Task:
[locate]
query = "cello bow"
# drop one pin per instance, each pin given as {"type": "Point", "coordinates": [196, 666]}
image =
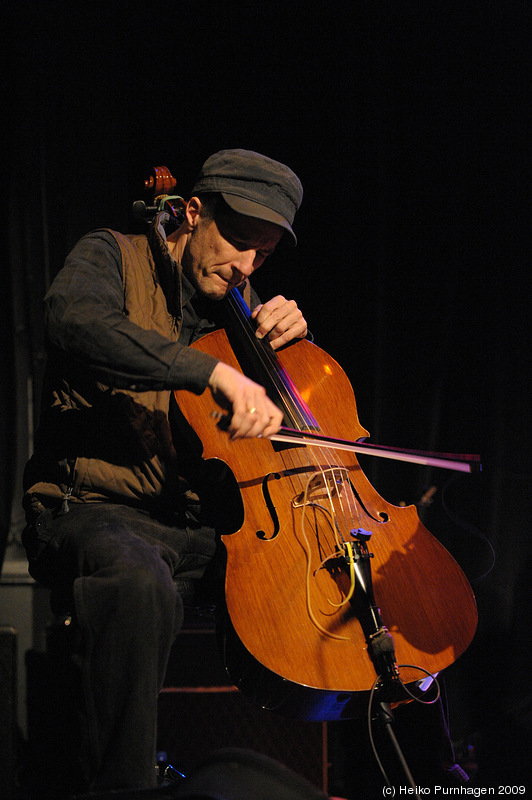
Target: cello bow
{"type": "Point", "coordinates": [459, 462]}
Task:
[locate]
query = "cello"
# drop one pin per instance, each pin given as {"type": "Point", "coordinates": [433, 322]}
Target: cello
{"type": "Point", "coordinates": [326, 584]}
{"type": "Point", "coordinates": [329, 590]}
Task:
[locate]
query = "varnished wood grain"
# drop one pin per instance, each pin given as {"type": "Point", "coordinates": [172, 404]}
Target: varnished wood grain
{"type": "Point", "coordinates": [425, 599]}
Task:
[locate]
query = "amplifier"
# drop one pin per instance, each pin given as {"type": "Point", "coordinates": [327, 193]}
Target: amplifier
{"type": "Point", "coordinates": [8, 711]}
{"type": "Point", "coordinates": [201, 711]}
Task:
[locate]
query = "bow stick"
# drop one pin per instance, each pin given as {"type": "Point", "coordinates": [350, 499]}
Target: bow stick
{"type": "Point", "coordinates": [455, 461]}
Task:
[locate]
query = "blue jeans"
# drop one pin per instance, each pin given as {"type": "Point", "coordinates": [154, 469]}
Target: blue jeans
{"type": "Point", "coordinates": [122, 569]}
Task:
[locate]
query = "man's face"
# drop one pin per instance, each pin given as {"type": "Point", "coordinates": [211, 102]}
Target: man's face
{"type": "Point", "coordinates": [220, 255]}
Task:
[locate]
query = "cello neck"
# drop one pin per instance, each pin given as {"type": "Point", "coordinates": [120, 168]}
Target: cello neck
{"type": "Point", "coordinates": [265, 363]}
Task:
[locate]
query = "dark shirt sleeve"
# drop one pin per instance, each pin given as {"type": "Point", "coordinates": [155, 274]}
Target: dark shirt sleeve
{"type": "Point", "coordinates": [85, 319]}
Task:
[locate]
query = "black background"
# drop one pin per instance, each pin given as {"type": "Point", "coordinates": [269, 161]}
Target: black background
{"type": "Point", "coordinates": [407, 124]}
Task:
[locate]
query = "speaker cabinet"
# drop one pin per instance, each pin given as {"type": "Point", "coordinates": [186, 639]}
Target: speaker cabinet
{"type": "Point", "coordinates": [8, 711]}
{"type": "Point", "coordinates": [200, 711]}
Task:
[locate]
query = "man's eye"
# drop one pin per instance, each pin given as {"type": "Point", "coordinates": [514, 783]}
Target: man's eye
{"type": "Point", "coordinates": [242, 245]}
{"type": "Point", "coordinates": [237, 243]}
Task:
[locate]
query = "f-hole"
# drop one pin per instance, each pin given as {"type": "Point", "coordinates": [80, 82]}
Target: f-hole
{"type": "Point", "coordinates": [382, 514]}
{"type": "Point", "coordinates": [270, 506]}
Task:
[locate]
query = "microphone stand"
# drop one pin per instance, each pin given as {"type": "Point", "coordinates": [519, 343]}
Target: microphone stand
{"type": "Point", "coordinates": [380, 642]}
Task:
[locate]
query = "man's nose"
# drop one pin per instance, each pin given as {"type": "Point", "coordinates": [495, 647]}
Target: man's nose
{"type": "Point", "coordinates": [246, 262]}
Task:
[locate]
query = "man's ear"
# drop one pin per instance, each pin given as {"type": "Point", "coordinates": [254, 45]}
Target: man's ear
{"type": "Point", "coordinates": [192, 212]}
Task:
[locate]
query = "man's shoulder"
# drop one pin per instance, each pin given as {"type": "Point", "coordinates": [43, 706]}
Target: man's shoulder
{"type": "Point", "coordinates": [113, 236]}
{"type": "Point", "coordinates": [133, 244]}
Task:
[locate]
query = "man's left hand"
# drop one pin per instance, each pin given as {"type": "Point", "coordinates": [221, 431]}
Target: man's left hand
{"type": "Point", "coordinates": [279, 320]}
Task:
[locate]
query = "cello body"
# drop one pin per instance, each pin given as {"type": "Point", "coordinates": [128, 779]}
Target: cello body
{"type": "Point", "coordinates": [291, 640]}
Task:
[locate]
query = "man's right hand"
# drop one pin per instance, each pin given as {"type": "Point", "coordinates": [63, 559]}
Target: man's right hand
{"type": "Point", "coordinates": [253, 413]}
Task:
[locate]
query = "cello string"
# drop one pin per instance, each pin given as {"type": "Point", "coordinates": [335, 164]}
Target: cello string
{"type": "Point", "coordinates": [345, 510]}
{"type": "Point", "coordinates": [293, 406]}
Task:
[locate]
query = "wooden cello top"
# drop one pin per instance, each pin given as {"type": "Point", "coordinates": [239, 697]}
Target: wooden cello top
{"type": "Point", "coordinates": [275, 587]}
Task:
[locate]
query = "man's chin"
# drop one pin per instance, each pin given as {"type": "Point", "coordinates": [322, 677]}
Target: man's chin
{"type": "Point", "coordinates": [214, 294]}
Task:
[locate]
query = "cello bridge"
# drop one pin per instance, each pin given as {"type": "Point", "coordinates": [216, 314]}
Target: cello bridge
{"type": "Point", "coordinates": [322, 487]}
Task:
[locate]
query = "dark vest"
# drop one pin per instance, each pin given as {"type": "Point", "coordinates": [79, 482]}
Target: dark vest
{"type": "Point", "coordinates": [118, 446]}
